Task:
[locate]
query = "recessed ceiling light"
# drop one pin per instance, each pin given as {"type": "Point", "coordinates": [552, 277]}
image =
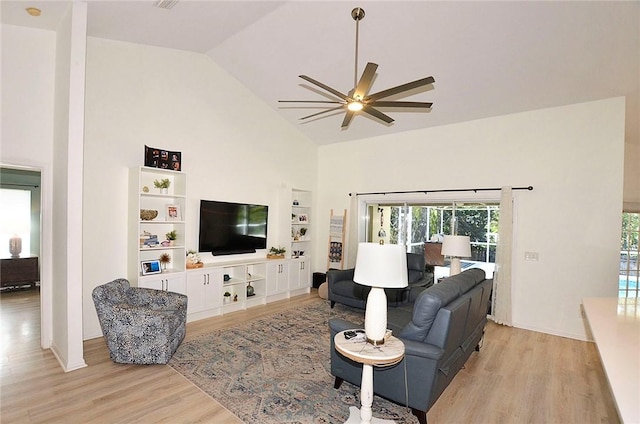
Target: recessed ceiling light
{"type": "Point", "coordinates": [166, 4]}
{"type": "Point", "coordinates": [33, 11]}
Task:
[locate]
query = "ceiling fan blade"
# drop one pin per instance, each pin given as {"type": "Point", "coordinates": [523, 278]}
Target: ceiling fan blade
{"type": "Point", "coordinates": [310, 101]}
{"type": "Point", "coordinates": [376, 113]}
{"type": "Point", "coordinates": [322, 112]}
{"type": "Point", "coordinates": [400, 88]}
{"type": "Point", "coordinates": [425, 105]}
{"type": "Point", "coordinates": [347, 118]}
{"type": "Point", "coordinates": [365, 80]}
{"type": "Point", "coordinates": [325, 87]}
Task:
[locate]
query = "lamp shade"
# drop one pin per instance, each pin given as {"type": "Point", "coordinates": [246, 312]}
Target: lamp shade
{"type": "Point", "coordinates": [381, 265]}
{"type": "Point", "coordinates": [456, 246]}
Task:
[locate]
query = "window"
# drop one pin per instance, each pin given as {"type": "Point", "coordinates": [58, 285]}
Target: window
{"type": "Point", "coordinates": [629, 265]}
{"type": "Point", "coordinates": [15, 219]}
{"type": "Point", "coordinates": [416, 224]}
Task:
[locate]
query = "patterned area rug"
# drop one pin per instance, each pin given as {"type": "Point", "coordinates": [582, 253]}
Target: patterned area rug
{"type": "Point", "coordinates": [277, 369]}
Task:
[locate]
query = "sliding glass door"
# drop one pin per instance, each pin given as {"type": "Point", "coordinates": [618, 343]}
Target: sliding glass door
{"type": "Point", "coordinates": [415, 224]}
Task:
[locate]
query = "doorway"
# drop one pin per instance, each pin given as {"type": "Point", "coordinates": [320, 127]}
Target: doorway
{"type": "Point", "coordinates": [21, 247]}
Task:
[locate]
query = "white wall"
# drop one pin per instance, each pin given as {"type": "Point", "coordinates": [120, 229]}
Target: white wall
{"type": "Point", "coordinates": [67, 194]}
{"type": "Point", "coordinates": [28, 70]}
{"type": "Point", "coordinates": [572, 155]}
{"type": "Point", "coordinates": [234, 147]}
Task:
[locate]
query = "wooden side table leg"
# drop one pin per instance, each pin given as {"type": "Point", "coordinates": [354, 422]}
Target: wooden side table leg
{"type": "Point", "coordinates": [366, 394]}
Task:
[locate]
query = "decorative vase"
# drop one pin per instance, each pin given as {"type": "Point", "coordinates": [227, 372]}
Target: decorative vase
{"type": "Point", "coordinates": [164, 191]}
{"type": "Point", "coordinates": [15, 246]}
{"type": "Point", "coordinates": [250, 290]}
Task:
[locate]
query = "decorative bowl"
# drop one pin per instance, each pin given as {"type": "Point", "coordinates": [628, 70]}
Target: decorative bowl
{"type": "Point", "coordinates": [148, 214]}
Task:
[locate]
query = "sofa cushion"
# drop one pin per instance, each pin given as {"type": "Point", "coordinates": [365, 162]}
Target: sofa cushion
{"type": "Point", "coordinates": [466, 280]}
{"type": "Point", "coordinates": [350, 289]}
{"type": "Point", "coordinates": [426, 308]}
{"type": "Point", "coordinates": [398, 317]}
{"type": "Point", "coordinates": [415, 267]}
{"type": "Point", "coordinates": [429, 302]}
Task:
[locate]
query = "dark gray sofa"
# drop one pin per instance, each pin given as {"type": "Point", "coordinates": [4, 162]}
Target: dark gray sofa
{"type": "Point", "coordinates": [342, 288]}
{"type": "Point", "coordinates": [440, 330]}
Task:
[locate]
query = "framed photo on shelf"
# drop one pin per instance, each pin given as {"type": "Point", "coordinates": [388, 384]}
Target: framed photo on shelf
{"type": "Point", "coordinates": [150, 267]}
{"type": "Point", "coordinates": [303, 217]}
{"type": "Point", "coordinates": [173, 213]}
{"type": "Point", "coordinates": [163, 159]}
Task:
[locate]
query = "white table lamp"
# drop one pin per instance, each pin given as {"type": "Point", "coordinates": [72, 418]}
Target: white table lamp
{"type": "Point", "coordinates": [379, 266]}
{"type": "Point", "coordinates": [456, 247]}
{"type": "Point", "coordinates": [15, 246]}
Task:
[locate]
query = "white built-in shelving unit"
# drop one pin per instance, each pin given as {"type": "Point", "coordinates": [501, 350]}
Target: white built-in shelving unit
{"type": "Point", "coordinates": [250, 282]}
{"type": "Point", "coordinates": [145, 196]}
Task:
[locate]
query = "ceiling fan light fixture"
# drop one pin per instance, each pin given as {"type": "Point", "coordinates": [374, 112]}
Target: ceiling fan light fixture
{"type": "Point", "coordinates": [359, 96]}
{"type": "Point", "coordinates": [355, 106]}
{"type": "Point", "coordinates": [33, 11]}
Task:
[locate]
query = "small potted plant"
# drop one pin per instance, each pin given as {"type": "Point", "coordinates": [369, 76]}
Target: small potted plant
{"type": "Point", "coordinates": [303, 231]}
{"type": "Point", "coordinates": [172, 236]}
{"type": "Point", "coordinates": [163, 185]}
{"type": "Point", "coordinates": [276, 253]}
{"type": "Point", "coordinates": [164, 259]}
{"type": "Point", "coordinates": [227, 297]}
{"type": "Point", "coordinates": [193, 259]}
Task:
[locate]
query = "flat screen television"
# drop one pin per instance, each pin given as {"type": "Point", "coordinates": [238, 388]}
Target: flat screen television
{"type": "Point", "coordinates": [231, 228]}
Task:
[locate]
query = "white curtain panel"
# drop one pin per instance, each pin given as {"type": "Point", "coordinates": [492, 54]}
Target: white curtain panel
{"type": "Point", "coordinates": [351, 248]}
{"type": "Point", "coordinates": [501, 307]}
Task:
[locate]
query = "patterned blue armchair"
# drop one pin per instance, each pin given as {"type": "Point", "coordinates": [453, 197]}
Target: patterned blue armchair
{"type": "Point", "coordinates": [141, 326]}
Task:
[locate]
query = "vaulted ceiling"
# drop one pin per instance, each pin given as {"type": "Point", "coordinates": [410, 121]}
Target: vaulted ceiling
{"type": "Point", "coordinates": [487, 58]}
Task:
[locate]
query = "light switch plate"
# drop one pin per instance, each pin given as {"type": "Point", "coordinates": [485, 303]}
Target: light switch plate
{"type": "Point", "coordinates": [530, 256]}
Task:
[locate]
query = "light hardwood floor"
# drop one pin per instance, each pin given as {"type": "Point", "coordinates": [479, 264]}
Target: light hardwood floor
{"type": "Point", "coordinates": [519, 376]}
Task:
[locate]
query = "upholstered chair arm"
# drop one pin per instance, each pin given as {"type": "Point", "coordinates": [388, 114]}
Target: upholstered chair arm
{"type": "Point", "coordinates": [422, 350]}
{"type": "Point", "coordinates": [138, 320]}
{"type": "Point", "coordinates": [335, 275]}
{"type": "Point", "coordinates": [337, 325]}
{"type": "Point", "coordinates": [156, 299]}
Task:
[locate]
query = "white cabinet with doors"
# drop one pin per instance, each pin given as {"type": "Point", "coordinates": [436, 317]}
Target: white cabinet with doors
{"type": "Point", "coordinates": [204, 289]}
{"type": "Point", "coordinates": [299, 274]}
{"type": "Point", "coordinates": [166, 282]}
{"type": "Point", "coordinates": [277, 277]}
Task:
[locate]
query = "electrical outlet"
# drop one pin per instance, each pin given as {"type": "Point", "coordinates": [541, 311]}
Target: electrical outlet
{"type": "Point", "coordinates": [530, 256]}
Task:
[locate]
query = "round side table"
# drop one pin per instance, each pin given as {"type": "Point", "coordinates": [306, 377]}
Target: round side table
{"type": "Point", "coordinates": [390, 353]}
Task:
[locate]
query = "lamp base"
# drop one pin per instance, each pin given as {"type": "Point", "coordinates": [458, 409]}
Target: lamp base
{"type": "Point", "coordinates": [375, 342]}
{"type": "Point", "coordinates": [375, 316]}
{"type": "Point", "coordinates": [456, 267]}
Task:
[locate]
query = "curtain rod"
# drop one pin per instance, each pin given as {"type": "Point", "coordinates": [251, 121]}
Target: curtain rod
{"type": "Point", "coordinates": [20, 185]}
{"type": "Point", "coordinates": [442, 191]}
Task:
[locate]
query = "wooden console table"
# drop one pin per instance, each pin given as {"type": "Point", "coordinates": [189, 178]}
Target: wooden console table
{"type": "Point", "coordinates": [19, 271]}
{"type": "Point", "coordinates": [615, 325]}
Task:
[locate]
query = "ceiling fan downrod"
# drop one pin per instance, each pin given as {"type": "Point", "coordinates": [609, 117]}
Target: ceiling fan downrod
{"type": "Point", "coordinates": [358, 99]}
{"type": "Point", "coordinates": [357, 14]}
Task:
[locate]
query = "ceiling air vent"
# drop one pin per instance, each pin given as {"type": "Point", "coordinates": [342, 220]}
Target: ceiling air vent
{"type": "Point", "coordinates": [166, 4]}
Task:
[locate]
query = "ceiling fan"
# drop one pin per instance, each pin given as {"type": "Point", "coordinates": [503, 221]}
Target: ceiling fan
{"type": "Point", "coordinates": [358, 100]}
